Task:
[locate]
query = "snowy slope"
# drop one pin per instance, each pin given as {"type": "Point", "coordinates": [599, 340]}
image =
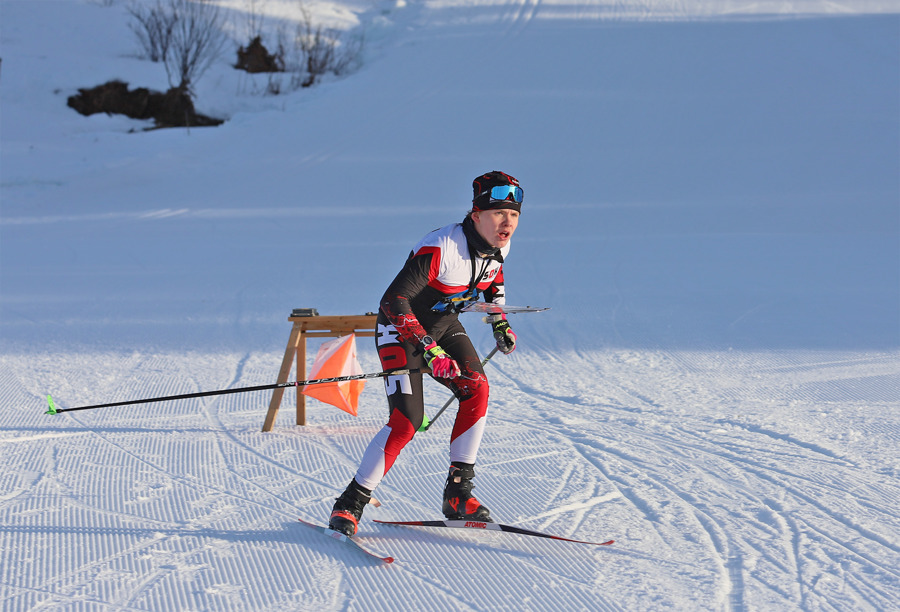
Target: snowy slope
{"type": "Point", "coordinates": [712, 212]}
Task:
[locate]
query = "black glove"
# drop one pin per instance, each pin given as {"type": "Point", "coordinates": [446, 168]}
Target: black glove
{"type": "Point", "coordinates": [505, 337]}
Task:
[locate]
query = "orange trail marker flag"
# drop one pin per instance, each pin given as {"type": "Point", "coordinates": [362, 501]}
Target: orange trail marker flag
{"type": "Point", "coordinates": [337, 358]}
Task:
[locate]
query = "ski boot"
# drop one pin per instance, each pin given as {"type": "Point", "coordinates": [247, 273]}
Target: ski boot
{"type": "Point", "coordinates": [459, 503]}
{"type": "Point", "coordinates": [348, 509]}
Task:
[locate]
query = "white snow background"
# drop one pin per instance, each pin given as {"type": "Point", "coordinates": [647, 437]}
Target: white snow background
{"type": "Point", "coordinates": [712, 211]}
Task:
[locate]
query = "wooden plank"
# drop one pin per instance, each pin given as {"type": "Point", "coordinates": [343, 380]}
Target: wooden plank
{"type": "Point", "coordinates": [283, 373]}
{"type": "Point", "coordinates": [301, 375]}
{"type": "Point", "coordinates": [331, 322]}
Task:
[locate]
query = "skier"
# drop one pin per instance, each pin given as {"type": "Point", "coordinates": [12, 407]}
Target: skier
{"type": "Point", "coordinates": [418, 326]}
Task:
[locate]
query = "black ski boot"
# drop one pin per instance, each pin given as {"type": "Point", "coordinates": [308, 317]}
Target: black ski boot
{"type": "Point", "coordinates": [348, 508]}
{"type": "Point", "coordinates": [459, 503]}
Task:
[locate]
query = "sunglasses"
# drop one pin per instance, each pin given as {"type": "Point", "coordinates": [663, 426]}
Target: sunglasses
{"type": "Point", "coordinates": [505, 192]}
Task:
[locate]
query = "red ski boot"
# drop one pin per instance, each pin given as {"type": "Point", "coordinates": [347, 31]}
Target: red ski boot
{"type": "Point", "coordinates": [459, 503]}
{"type": "Point", "coordinates": [348, 509]}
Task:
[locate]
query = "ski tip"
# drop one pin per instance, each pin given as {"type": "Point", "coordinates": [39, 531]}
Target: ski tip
{"type": "Point", "coordinates": [426, 423]}
{"type": "Point", "coordinates": [52, 409]}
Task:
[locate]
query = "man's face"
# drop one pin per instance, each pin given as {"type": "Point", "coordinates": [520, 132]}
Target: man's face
{"type": "Point", "coordinates": [496, 226]}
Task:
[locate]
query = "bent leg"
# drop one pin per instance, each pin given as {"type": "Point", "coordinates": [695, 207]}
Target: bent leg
{"type": "Point", "coordinates": [472, 390]}
{"type": "Point", "coordinates": [405, 402]}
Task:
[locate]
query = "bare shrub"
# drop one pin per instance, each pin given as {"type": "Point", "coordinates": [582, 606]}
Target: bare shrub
{"type": "Point", "coordinates": [322, 50]}
{"type": "Point", "coordinates": [185, 35]}
{"type": "Point", "coordinates": [153, 26]}
{"type": "Point", "coordinates": [302, 56]}
{"type": "Point", "coordinates": [197, 41]}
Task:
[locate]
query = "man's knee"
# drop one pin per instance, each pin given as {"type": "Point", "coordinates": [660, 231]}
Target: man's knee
{"type": "Point", "coordinates": [473, 391]}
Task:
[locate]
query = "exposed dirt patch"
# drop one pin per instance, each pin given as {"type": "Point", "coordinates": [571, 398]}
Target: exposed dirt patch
{"type": "Point", "coordinates": [256, 58]}
{"type": "Point", "coordinates": [173, 108]}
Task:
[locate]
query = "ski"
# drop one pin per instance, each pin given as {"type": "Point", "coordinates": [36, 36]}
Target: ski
{"type": "Point", "coordinates": [489, 308]}
{"type": "Point", "coordinates": [340, 537]}
{"type": "Point", "coordinates": [490, 527]}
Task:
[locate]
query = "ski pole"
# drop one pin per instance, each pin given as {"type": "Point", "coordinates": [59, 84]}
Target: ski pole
{"type": "Point", "coordinates": [425, 426]}
{"type": "Point", "coordinates": [299, 383]}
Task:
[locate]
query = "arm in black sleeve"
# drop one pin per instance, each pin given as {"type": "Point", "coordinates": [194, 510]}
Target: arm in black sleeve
{"type": "Point", "coordinates": [410, 282]}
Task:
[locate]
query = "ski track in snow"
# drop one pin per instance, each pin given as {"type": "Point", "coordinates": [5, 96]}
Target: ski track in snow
{"type": "Point", "coordinates": [734, 511]}
{"type": "Point", "coordinates": [815, 484]}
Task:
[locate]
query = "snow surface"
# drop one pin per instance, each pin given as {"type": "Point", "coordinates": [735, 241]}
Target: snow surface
{"type": "Point", "coordinates": [712, 212]}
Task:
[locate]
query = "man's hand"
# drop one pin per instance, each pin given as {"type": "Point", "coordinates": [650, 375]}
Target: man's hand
{"type": "Point", "coordinates": [505, 337]}
{"type": "Point", "coordinates": [442, 366]}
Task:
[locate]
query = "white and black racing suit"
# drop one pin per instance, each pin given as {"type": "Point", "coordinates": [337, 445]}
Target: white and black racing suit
{"type": "Point", "coordinates": [450, 262]}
